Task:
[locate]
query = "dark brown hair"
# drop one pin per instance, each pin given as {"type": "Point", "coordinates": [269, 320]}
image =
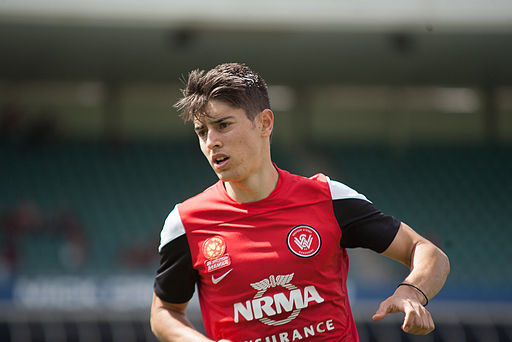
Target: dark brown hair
{"type": "Point", "coordinates": [233, 83]}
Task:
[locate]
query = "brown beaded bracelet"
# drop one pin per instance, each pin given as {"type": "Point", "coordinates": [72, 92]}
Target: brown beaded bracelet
{"type": "Point", "coordinates": [417, 288]}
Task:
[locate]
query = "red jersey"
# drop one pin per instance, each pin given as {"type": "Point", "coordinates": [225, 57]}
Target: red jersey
{"type": "Point", "coordinates": [273, 270]}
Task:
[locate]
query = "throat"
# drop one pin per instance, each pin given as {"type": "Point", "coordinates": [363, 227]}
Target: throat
{"type": "Point", "coordinates": [252, 189]}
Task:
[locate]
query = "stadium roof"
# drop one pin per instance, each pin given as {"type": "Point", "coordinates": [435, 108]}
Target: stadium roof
{"type": "Point", "coordinates": [291, 41]}
{"type": "Point", "coordinates": [297, 14]}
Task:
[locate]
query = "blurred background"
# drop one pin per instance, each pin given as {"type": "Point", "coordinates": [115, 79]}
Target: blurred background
{"type": "Point", "coordinates": [409, 102]}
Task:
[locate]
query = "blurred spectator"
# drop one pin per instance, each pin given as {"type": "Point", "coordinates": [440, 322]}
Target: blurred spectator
{"type": "Point", "coordinates": [15, 223]}
{"type": "Point", "coordinates": [43, 129]}
{"type": "Point", "coordinates": [73, 251]}
{"type": "Point", "coordinates": [26, 219]}
{"type": "Point", "coordinates": [22, 219]}
{"type": "Point", "coordinates": [141, 254]}
{"type": "Point", "coordinates": [11, 117]}
{"type": "Point", "coordinates": [15, 127]}
{"type": "Point", "coordinates": [9, 258]}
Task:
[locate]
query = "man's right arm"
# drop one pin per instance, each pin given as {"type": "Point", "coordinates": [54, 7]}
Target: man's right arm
{"type": "Point", "coordinates": [169, 322]}
{"type": "Point", "coordinates": [174, 283]}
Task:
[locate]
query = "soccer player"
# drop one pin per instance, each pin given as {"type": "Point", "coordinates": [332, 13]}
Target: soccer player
{"type": "Point", "coordinates": [267, 248]}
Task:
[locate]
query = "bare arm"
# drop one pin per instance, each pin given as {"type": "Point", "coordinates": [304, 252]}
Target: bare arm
{"type": "Point", "coordinates": [429, 268]}
{"type": "Point", "coordinates": [169, 323]}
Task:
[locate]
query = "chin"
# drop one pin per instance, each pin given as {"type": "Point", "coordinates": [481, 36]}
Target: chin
{"type": "Point", "coordinates": [226, 176]}
{"type": "Point", "coordinates": [223, 176]}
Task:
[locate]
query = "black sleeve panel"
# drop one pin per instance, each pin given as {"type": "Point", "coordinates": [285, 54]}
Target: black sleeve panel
{"type": "Point", "coordinates": [176, 278]}
{"type": "Point", "coordinates": [363, 225]}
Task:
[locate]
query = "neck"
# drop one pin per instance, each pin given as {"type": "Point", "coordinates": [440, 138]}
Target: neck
{"type": "Point", "coordinates": [256, 187]}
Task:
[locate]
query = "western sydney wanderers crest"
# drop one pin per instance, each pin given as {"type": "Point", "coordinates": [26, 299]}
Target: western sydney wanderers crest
{"type": "Point", "coordinates": [303, 241]}
{"type": "Point", "coordinates": [214, 250]}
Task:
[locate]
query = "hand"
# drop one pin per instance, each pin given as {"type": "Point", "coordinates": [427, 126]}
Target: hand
{"type": "Point", "coordinates": [417, 319]}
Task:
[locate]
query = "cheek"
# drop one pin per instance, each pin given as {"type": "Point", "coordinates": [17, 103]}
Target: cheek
{"type": "Point", "coordinates": [248, 149]}
{"type": "Point", "coordinates": [242, 144]}
{"type": "Point", "coordinates": [203, 148]}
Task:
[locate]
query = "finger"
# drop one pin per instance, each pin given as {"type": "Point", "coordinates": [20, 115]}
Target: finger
{"type": "Point", "coordinates": [429, 324]}
{"type": "Point", "coordinates": [409, 326]}
{"type": "Point", "coordinates": [418, 329]}
{"type": "Point", "coordinates": [413, 321]}
{"type": "Point", "coordinates": [378, 316]}
{"type": "Point", "coordinates": [417, 321]}
{"type": "Point", "coordinates": [382, 311]}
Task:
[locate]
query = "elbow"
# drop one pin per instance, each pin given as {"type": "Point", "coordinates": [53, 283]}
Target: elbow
{"type": "Point", "coordinates": [155, 327]}
{"type": "Point", "coordinates": [447, 265]}
{"type": "Point", "coordinates": [444, 262]}
{"type": "Point", "coordinates": [154, 323]}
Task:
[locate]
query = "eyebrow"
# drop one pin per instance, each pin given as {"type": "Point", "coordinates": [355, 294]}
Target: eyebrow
{"type": "Point", "coordinates": [222, 119]}
{"type": "Point", "coordinates": [201, 126]}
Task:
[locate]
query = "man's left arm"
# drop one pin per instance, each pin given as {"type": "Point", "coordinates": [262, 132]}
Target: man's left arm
{"type": "Point", "coordinates": [429, 268]}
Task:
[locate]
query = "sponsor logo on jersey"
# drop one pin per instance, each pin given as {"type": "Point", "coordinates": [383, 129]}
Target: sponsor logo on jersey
{"type": "Point", "coordinates": [217, 280]}
{"type": "Point", "coordinates": [303, 241]}
{"type": "Point", "coordinates": [213, 251]}
{"type": "Point", "coordinates": [297, 334]}
{"type": "Point", "coordinates": [286, 305]}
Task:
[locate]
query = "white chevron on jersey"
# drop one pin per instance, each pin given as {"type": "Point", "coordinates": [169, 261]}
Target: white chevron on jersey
{"type": "Point", "coordinates": [173, 228]}
{"type": "Point", "coordinates": [341, 191]}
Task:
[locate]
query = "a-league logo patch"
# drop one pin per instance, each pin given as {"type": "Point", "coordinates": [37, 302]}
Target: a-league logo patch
{"type": "Point", "coordinates": [213, 251]}
{"type": "Point", "coordinates": [214, 247]}
{"type": "Point", "coordinates": [304, 241]}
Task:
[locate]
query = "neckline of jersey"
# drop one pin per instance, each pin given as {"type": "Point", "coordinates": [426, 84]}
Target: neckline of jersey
{"type": "Point", "coordinates": [281, 176]}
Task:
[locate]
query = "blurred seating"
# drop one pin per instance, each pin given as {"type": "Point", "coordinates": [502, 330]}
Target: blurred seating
{"type": "Point", "coordinates": [101, 208]}
{"type": "Point", "coordinates": [119, 196]}
{"type": "Point", "coordinates": [459, 197]}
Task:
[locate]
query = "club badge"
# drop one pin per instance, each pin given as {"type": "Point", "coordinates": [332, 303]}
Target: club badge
{"type": "Point", "coordinates": [304, 241]}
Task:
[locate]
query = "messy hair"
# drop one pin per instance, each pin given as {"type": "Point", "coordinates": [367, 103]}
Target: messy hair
{"type": "Point", "coordinates": [233, 83]}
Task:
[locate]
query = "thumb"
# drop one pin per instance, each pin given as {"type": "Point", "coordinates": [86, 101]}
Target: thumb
{"type": "Point", "coordinates": [382, 311]}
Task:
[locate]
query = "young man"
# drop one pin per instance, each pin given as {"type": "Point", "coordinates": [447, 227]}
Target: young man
{"type": "Point", "coordinates": [266, 248]}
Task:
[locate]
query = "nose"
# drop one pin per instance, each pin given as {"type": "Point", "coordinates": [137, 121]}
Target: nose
{"type": "Point", "coordinates": [213, 140]}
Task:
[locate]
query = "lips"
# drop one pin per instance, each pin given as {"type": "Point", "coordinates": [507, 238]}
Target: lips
{"type": "Point", "coordinates": [220, 160]}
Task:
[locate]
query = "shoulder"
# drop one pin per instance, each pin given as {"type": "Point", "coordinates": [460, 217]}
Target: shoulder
{"type": "Point", "coordinates": [174, 226]}
{"type": "Point", "coordinates": [337, 190]}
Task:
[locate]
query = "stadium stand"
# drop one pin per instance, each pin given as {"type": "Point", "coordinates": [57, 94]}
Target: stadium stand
{"type": "Point", "coordinates": [457, 196]}
{"type": "Point", "coordinates": [97, 210]}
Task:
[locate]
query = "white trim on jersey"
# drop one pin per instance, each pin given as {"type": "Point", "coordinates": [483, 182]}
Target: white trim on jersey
{"type": "Point", "coordinates": [341, 191]}
{"type": "Point", "coordinates": [173, 228]}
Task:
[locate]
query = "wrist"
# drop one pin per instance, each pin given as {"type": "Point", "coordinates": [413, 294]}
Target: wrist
{"type": "Point", "coordinates": [415, 291]}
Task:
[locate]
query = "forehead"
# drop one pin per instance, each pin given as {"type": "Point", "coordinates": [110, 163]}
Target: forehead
{"type": "Point", "coordinates": [215, 110]}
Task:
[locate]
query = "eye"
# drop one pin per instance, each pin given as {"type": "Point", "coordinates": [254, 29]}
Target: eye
{"type": "Point", "coordinates": [223, 125]}
{"type": "Point", "coordinates": [201, 133]}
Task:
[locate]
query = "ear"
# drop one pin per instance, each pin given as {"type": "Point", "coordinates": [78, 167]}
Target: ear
{"type": "Point", "coordinates": [266, 122]}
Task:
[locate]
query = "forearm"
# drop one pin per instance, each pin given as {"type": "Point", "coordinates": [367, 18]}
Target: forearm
{"type": "Point", "coordinates": [171, 325]}
{"type": "Point", "coordinates": [429, 268]}
{"type": "Point", "coordinates": [428, 264]}
{"type": "Point", "coordinates": [167, 327]}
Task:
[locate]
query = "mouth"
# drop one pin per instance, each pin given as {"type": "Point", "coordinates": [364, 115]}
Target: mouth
{"type": "Point", "coordinates": [220, 161]}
